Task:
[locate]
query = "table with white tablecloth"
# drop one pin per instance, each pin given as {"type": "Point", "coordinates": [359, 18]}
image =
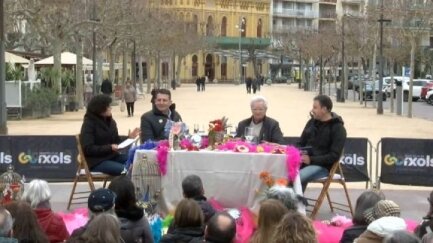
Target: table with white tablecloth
{"type": "Point", "coordinates": [228, 177]}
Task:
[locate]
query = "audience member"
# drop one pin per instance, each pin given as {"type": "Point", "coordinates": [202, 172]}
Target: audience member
{"type": "Point", "coordinates": [38, 194]}
{"type": "Point", "coordinates": [270, 214]}
{"type": "Point", "coordinates": [188, 223]}
{"type": "Point", "coordinates": [286, 195]}
{"type": "Point", "coordinates": [294, 228]}
{"type": "Point", "coordinates": [325, 136]}
{"type": "Point", "coordinates": [6, 224]}
{"type": "Point", "coordinates": [383, 218]}
{"type": "Point", "coordinates": [133, 222]}
{"type": "Point", "coordinates": [100, 138]}
{"type": "Point", "coordinates": [25, 227]}
{"type": "Point", "coordinates": [427, 223]}
{"type": "Point", "coordinates": [107, 87]}
{"type": "Point", "coordinates": [192, 188]}
{"type": "Point", "coordinates": [221, 228]}
{"type": "Point", "coordinates": [104, 228]}
{"type": "Point", "coordinates": [427, 238]}
{"type": "Point", "coordinates": [264, 128]}
{"type": "Point", "coordinates": [365, 201]}
{"type": "Point", "coordinates": [100, 201]}
{"type": "Point", "coordinates": [401, 236]}
{"type": "Point", "coordinates": [153, 122]}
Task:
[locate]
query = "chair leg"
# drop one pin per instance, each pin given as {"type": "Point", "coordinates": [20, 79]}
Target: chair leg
{"type": "Point", "coordinates": [320, 199]}
{"type": "Point", "coordinates": [91, 184]}
{"type": "Point", "coordinates": [348, 198]}
{"type": "Point", "coordinates": [72, 192]}
{"type": "Point", "coordinates": [329, 201]}
{"type": "Point", "coordinates": [105, 183]}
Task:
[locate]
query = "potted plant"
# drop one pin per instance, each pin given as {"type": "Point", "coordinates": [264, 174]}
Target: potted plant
{"type": "Point", "coordinates": [37, 103]}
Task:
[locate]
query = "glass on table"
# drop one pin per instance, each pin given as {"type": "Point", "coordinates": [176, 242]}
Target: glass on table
{"type": "Point", "coordinates": [249, 135]}
{"type": "Point", "coordinates": [196, 128]}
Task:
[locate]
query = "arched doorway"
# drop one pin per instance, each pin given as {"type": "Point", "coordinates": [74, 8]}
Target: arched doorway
{"type": "Point", "coordinates": [224, 26]}
{"type": "Point", "coordinates": [194, 70]}
{"type": "Point", "coordinates": [209, 69]}
{"type": "Point", "coordinates": [259, 28]}
{"type": "Point", "coordinates": [209, 26]}
{"type": "Point", "coordinates": [244, 27]}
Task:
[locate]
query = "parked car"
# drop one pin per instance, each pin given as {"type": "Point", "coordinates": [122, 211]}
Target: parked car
{"type": "Point", "coordinates": [368, 90]}
{"type": "Point", "coordinates": [417, 86]}
{"type": "Point", "coordinates": [429, 97]}
{"type": "Point", "coordinates": [425, 89]}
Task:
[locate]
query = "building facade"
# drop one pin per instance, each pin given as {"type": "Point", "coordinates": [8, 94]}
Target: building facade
{"type": "Point", "coordinates": [232, 27]}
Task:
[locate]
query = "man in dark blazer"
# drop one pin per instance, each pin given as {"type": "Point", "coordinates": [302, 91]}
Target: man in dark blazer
{"type": "Point", "coordinates": [264, 128]}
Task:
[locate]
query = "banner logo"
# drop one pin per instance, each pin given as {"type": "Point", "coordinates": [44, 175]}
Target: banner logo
{"type": "Point", "coordinates": [45, 158]}
{"type": "Point", "coordinates": [409, 160]}
{"type": "Point", "coordinates": [353, 159]}
{"type": "Point", "coordinates": [5, 158]}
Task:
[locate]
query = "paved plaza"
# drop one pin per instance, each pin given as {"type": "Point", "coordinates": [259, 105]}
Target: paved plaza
{"type": "Point", "coordinates": [287, 104]}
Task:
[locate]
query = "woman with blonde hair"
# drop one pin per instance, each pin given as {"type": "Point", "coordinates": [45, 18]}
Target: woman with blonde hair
{"type": "Point", "coordinates": [270, 214]}
{"type": "Point", "coordinates": [104, 228]}
{"type": "Point", "coordinates": [294, 228]}
{"type": "Point", "coordinates": [188, 223]}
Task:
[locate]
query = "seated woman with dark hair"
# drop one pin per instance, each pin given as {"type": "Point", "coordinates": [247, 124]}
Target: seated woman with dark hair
{"type": "Point", "coordinates": [365, 201]}
{"type": "Point", "coordinates": [188, 223]}
{"type": "Point", "coordinates": [133, 222]}
{"type": "Point", "coordinates": [100, 138]}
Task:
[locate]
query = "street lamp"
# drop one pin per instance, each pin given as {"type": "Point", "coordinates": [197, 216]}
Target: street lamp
{"type": "Point", "coordinates": [241, 29]}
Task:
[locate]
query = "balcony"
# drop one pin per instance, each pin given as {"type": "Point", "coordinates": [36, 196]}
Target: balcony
{"type": "Point", "coordinates": [233, 42]}
{"type": "Point", "coordinates": [296, 13]}
{"type": "Point", "coordinates": [293, 29]}
{"type": "Point", "coordinates": [333, 2]}
{"type": "Point", "coordinates": [357, 2]}
{"type": "Point", "coordinates": [328, 15]}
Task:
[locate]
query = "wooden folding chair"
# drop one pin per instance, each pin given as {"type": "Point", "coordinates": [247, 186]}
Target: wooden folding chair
{"type": "Point", "coordinates": [335, 176]}
{"type": "Point", "coordinates": [84, 175]}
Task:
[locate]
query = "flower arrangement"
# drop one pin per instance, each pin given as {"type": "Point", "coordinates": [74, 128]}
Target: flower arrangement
{"type": "Point", "coordinates": [269, 181]}
{"type": "Point", "coordinates": [217, 129]}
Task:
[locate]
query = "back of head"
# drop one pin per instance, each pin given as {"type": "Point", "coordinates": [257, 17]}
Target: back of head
{"type": "Point", "coordinates": [37, 193]}
{"type": "Point", "coordinates": [101, 200]}
{"type": "Point", "coordinates": [365, 201]}
{"type": "Point", "coordinates": [383, 208]}
{"type": "Point", "coordinates": [98, 104]}
{"type": "Point", "coordinates": [103, 228]}
{"type": "Point", "coordinates": [221, 228]}
{"type": "Point", "coordinates": [123, 187]}
{"type": "Point", "coordinates": [188, 214]}
{"type": "Point", "coordinates": [285, 195]}
{"type": "Point", "coordinates": [270, 214]}
{"type": "Point", "coordinates": [192, 186]}
{"type": "Point", "coordinates": [401, 236]}
{"type": "Point", "coordinates": [6, 222]}
{"type": "Point", "coordinates": [294, 228]}
{"type": "Point", "coordinates": [25, 226]}
{"type": "Point", "coordinates": [324, 101]}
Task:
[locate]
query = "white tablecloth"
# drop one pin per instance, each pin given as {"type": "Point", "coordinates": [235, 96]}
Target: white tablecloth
{"type": "Point", "coordinates": [230, 178]}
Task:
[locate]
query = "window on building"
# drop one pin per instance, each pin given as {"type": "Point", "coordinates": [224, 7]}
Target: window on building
{"type": "Point", "coordinates": [224, 26]}
{"type": "Point", "coordinates": [209, 26]}
{"type": "Point", "coordinates": [194, 70]}
{"type": "Point", "coordinates": [244, 27]}
{"type": "Point", "coordinates": [288, 5]}
{"type": "Point", "coordinates": [223, 67]}
{"type": "Point", "coordinates": [259, 28]}
{"type": "Point", "coordinates": [195, 23]}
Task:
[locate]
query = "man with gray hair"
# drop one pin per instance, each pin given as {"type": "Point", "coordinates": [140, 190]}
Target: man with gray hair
{"type": "Point", "coordinates": [6, 224]}
{"type": "Point", "coordinates": [264, 128]}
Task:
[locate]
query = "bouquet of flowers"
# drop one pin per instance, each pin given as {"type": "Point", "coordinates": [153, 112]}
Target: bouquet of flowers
{"type": "Point", "coordinates": [217, 129]}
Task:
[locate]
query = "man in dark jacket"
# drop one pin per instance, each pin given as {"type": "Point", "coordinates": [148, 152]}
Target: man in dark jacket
{"type": "Point", "coordinates": [106, 87]}
{"type": "Point", "coordinates": [192, 187]}
{"type": "Point", "coordinates": [221, 228]}
{"type": "Point", "coordinates": [264, 127]}
{"type": "Point", "coordinates": [153, 122]}
{"type": "Point", "coordinates": [325, 136]}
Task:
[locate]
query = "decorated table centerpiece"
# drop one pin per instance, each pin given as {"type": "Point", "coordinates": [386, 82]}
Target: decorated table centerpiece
{"type": "Point", "coordinates": [217, 130]}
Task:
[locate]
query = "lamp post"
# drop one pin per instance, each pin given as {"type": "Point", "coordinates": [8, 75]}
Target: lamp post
{"type": "Point", "coordinates": [240, 28]}
{"type": "Point", "coordinates": [380, 98]}
{"type": "Point", "coordinates": [343, 60]}
{"type": "Point", "coordinates": [3, 112]}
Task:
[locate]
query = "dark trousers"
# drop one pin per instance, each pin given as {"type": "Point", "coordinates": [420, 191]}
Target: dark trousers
{"type": "Point", "coordinates": [114, 166]}
{"type": "Point", "coordinates": [130, 108]}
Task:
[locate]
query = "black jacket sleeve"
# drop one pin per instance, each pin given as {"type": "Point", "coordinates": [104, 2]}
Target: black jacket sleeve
{"type": "Point", "coordinates": [87, 136]}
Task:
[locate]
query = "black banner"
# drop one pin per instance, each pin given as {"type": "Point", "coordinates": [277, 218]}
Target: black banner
{"type": "Point", "coordinates": [407, 161]}
{"type": "Point", "coordinates": [354, 160]}
{"type": "Point", "coordinates": [51, 158]}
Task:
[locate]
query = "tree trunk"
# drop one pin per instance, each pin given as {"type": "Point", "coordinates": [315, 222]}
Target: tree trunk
{"type": "Point", "coordinates": [57, 68]}
{"type": "Point", "coordinates": [140, 73]}
{"type": "Point", "coordinates": [99, 61]}
{"type": "Point", "coordinates": [373, 75]}
{"type": "Point", "coordinates": [412, 72]}
{"type": "Point", "coordinates": [112, 71]}
{"type": "Point", "coordinates": [148, 79]}
{"type": "Point", "coordinates": [124, 67]}
{"type": "Point", "coordinates": [79, 91]}
{"type": "Point", "coordinates": [360, 81]}
{"type": "Point", "coordinates": [391, 95]}
{"type": "Point", "coordinates": [173, 70]}
{"type": "Point", "coordinates": [179, 65]}
{"type": "Point", "coordinates": [158, 73]}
